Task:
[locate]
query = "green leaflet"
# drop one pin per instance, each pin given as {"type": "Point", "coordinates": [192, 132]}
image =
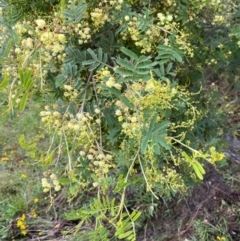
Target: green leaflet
{"type": "Point", "coordinates": [25, 78]}
{"type": "Point", "coordinates": [144, 144]}
{"type": "Point", "coordinates": [161, 126]}
{"type": "Point", "coordinates": [197, 171]}
{"type": "Point", "coordinates": [125, 64]}
{"type": "Point", "coordinates": [7, 49]}
{"type": "Point", "coordinates": [65, 181]}
{"type": "Point", "coordinates": [167, 53]}
{"type": "Point", "coordinates": [169, 66]}
{"type": "Point", "coordinates": [75, 56]}
{"type": "Point", "coordinates": [26, 146]}
{"type": "Point", "coordinates": [93, 55]}
{"type": "Point", "coordinates": [198, 168]}
{"type": "Point", "coordinates": [127, 102]}
{"type": "Point", "coordinates": [5, 81]}
{"type": "Point", "coordinates": [123, 72]}
{"type": "Point", "coordinates": [124, 228]}
{"type": "Point", "coordinates": [113, 134]}
{"type": "Point", "coordinates": [30, 148]}
{"type": "Point", "coordinates": [164, 143]}
{"type": "Point", "coordinates": [152, 123]}
{"type": "Point", "coordinates": [129, 53]}
{"type": "Point", "coordinates": [121, 184]}
{"type": "Point", "coordinates": [23, 101]}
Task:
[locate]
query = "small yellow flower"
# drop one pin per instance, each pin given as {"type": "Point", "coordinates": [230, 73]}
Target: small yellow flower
{"type": "Point", "coordinates": [23, 217]}
{"type": "Point", "coordinates": [40, 23]}
{"type": "Point", "coordinates": [23, 176]}
{"type": "Point", "coordinates": [126, 18]}
{"type": "Point", "coordinates": [118, 112]}
{"type": "Point", "coordinates": [110, 83]}
{"type": "Point", "coordinates": [97, 111]}
{"type": "Point", "coordinates": [61, 38]}
{"type": "Point", "coordinates": [221, 238]}
{"type": "Point", "coordinates": [35, 200]}
{"type": "Point", "coordinates": [23, 227]}
{"type": "Point", "coordinates": [4, 158]}
{"type": "Point", "coordinates": [33, 213]}
{"type": "Point", "coordinates": [19, 223]}
{"type": "Point", "coordinates": [57, 188]}
{"type": "Point", "coordinates": [46, 190]}
{"type": "Point", "coordinates": [24, 232]}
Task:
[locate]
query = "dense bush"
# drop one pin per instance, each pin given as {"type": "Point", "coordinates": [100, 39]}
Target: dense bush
{"type": "Point", "coordinates": [127, 107]}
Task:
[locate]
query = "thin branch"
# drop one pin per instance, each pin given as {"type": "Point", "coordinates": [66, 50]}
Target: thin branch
{"type": "Point", "coordinates": [69, 156]}
{"type": "Point", "coordinates": [100, 127]}
{"type": "Point", "coordinates": [85, 94]}
{"type": "Point", "coordinates": [145, 178]}
{"type": "Point", "coordinates": [163, 29]}
{"type": "Point", "coordinates": [29, 55]}
{"type": "Point", "coordinates": [121, 205]}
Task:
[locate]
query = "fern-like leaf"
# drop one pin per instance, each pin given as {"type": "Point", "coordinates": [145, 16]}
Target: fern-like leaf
{"type": "Point", "coordinates": [125, 227]}
{"type": "Point", "coordinates": [103, 206]}
{"type": "Point", "coordinates": [98, 234]}
{"type": "Point", "coordinates": [75, 13]}
{"type": "Point", "coordinates": [69, 73]}
{"type": "Point", "coordinates": [134, 69]}
{"type": "Point", "coordinates": [75, 56]}
{"type": "Point", "coordinates": [168, 54]}
{"type": "Point", "coordinates": [98, 60]}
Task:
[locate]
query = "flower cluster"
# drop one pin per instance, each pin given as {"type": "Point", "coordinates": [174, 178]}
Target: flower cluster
{"type": "Point", "coordinates": [100, 162]}
{"type": "Point", "coordinates": [99, 17]}
{"type": "Point", "coordinates": [70, 93]}
{"type": "Point", "coordinates": [142, 40]}
{"type": "Point", "coordinates": [69, 123]}
{"type": "Point", "coordinates": [50, 183]}
{"type": "Point", "coordinates": [51, 41]}
{"type": "Point", "coordinates": [33, 214]}
{"type": "Point", "coordinates": [168, 177]}
{"type": "Point", "coordinates": [164, 18]}
{"type": "Point", "coordinates": [159, 94]}
{"type": "Point", "coordinates": [219, 19]}
{"type": "Point", "coordinates": [4, 157]}
{"type": "Point", "coordinates": [105, 77]}
{"type": "Point", "coordinates": [38, 39]}
{"type": "Point", "coordinates": [182, 40]}
{"type": "Point", "coordinates": [81, 31]}
{"type": "Point", "coordinates": [148, 38]}
{"type": "Point", "coordinates": [131, 121]}
{"type": "Point", "coordinates": [21, 224]}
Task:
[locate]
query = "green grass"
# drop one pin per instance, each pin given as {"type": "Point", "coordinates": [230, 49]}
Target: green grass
{"type": "Point", "coordinates": [20, 179]}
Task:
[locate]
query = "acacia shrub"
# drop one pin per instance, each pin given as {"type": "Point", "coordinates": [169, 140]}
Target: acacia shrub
{"type": "Point", "coordinates": [129, 120]}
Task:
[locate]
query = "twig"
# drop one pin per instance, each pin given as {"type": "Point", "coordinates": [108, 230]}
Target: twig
{"type": "Point", "coordinates": [85, 94]}
{"type": "Point", "coordinates": [145, 178]}
{"type": "Point", "coordinates": [100, 127]}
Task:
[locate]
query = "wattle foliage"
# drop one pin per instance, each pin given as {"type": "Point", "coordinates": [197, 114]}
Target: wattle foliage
{"type": "Point", "coordinates": [129, 118]}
